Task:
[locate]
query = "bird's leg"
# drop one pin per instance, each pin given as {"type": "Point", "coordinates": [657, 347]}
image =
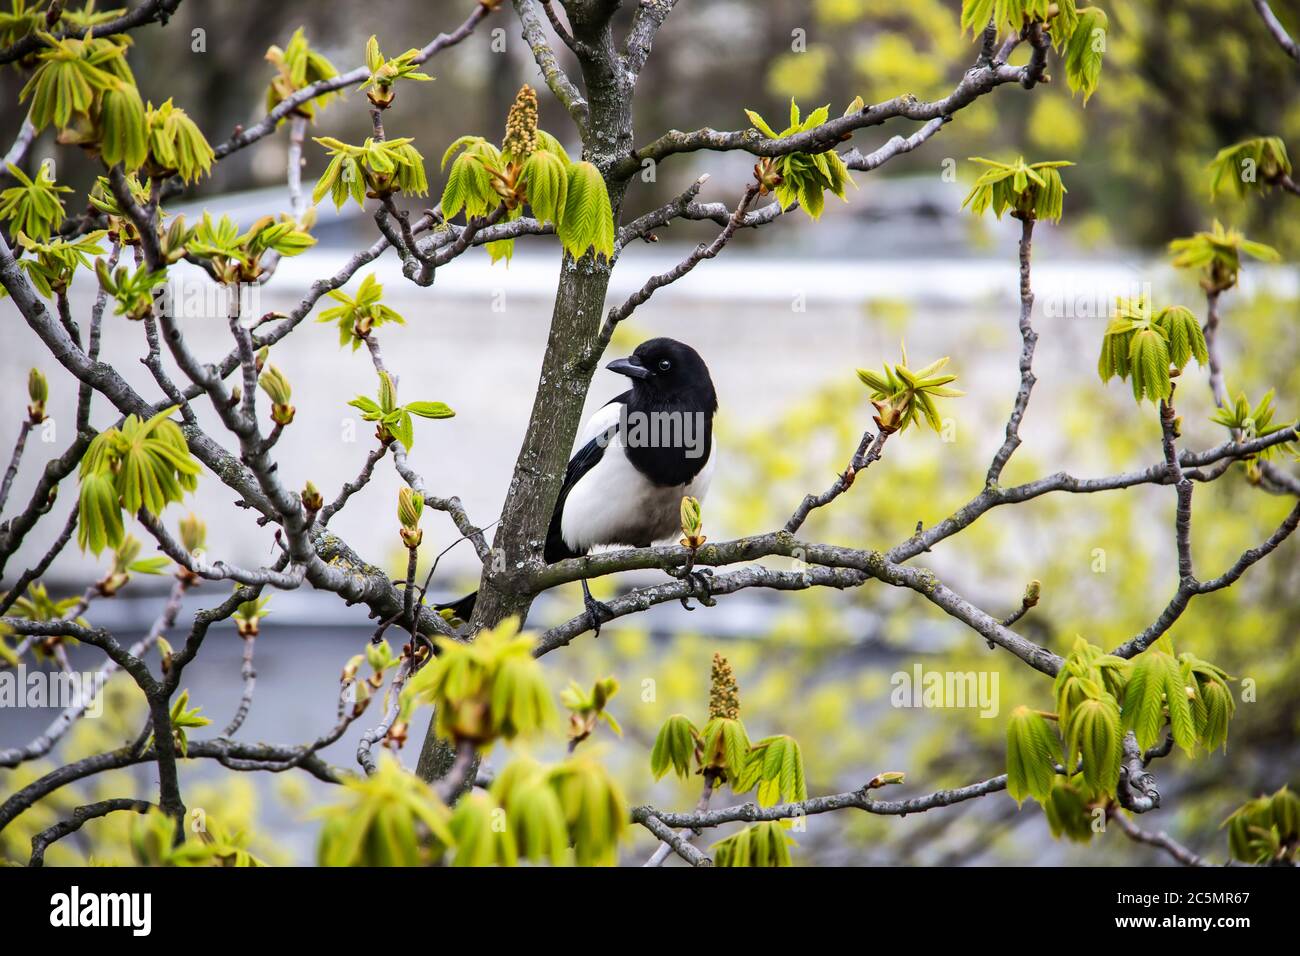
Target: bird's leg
{"type": "Point", "coordinates": [597, 611]}
{"type": "Point", "coordinates": [699, 581]}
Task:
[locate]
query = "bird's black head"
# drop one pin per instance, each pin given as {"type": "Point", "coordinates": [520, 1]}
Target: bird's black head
{"type": "Point", "coordinates": [667, 371]}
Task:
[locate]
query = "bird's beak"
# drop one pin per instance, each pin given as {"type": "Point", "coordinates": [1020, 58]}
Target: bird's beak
{"type": "Point", "coordinates": [630, 367]}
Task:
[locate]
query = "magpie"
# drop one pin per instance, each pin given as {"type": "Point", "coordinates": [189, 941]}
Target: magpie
{"type": "Point", "coordinates": [636, 457]}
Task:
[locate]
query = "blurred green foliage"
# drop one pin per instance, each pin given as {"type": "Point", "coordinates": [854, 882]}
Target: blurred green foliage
{"type": "Point", "coordinates": [1182, 79]}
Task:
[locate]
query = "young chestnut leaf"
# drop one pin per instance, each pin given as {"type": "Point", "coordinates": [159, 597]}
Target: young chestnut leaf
{"type": "Point", "coordinates": [32, 207]}
{"type": "Point", "coordinates": [1257, 163]}
{"type": "Point", "coordinates": [902, 396]}
{"type": "Point", "coordinates": [1094, 739]}
{"type": "Point", "coordinates": [801, 177]}
{"type": "Point", "coordinates": [588, 220]}
{"type": "Point", "coordinates": [525, 791]}
{"type": "Point", "coordinates": [479, 840]}
{"type": "Point", "coordinates": [298, 66]}
{"type": "Point", "coordinates": [1068, 811]}
{"type": "Point", "coordinates": [1028, 191]}
{"type": "Point", "coordinates": [764, 844]}
{"type": "Point", "coordinates": [1217, 254]}
{"type": "Point", "coordinates": [676, 745]}
{"type": "Point", "coordinates": [1032, 754]}
{"type": "Point", "coordinates": [775, 766]}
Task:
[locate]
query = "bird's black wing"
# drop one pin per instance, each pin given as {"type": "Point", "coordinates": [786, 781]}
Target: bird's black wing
{"type": "Point", "coordinates": [586, 459]}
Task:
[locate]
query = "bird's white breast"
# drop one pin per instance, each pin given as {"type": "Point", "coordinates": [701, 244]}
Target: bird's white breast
{"type": "Point", "coordinates": [614, 503]}
{"type": "Point", "coordinates": [601, 420]}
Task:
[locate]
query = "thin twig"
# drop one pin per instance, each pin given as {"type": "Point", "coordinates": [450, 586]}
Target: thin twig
{"type": "Point", "coordinates": [1278, 31]}
{"type": "Point", "coordinates": [80, 817]}
{"type": "Point", "coordinates": [249, 676]}
{"type": "Point", "coordinates": [1160, 840]}
{"type": "Point", "coordinates": [869, 450]}
{"type": "Point", "coordinates": [1029, 338]}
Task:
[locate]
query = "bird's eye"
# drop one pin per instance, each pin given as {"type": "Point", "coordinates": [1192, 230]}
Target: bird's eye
{"type": "Point", "coordinates": [665, 365]}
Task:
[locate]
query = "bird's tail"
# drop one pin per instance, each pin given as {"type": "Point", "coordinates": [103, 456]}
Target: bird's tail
{"type": "Point", "coordinates": [462, 608]}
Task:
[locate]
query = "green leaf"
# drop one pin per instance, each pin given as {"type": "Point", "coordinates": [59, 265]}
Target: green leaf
{"type": "Point", "coordinates": [725, 745]}
{"type": "Point", "coordinates": [70, 76]}
{"type": "Point", "coordinates": [125, 131]}
{"type": "Point", "coordinates": [761, 845]}
{"type": "Point", "coordinates": [387, 394]}
{"type": "Point", "coordinates": [674, 747]}
{"type": "Point", "coordinates": [1213, 710]}
{"type": "Point", "coordinates": [1157, 683]}
{"type": "Point", "coordinates": [775, 766]}
{"type": "Point", "coordinates": [33, 207]}
{"type": "Point", "coordinates": [176, 143]}
{"type": "Point", "coordinates": [1251, 164]}
{"type": "Point", "coordinates": [1217, 253]}
{"type": "Point", "coordinates": [1067, 811]}
{"type": "Point", "coordinates": [370, 409]}
{"type": "Point", "coordinates": [1185, 336]}
{"type": "Point", "coordinates": [401, 428]}
{"type": "Point", "coordinates": [99, 522]}
{"type": "Point", "coordinates": [390, 818]}
{"type": "Point", "coordinates": [469, 188]}
{"type": "Point", "coordinates": [1149, 366]}
{"type": "Point", "coordinates": [546, 183]}
{"type": "Point", "coordinates": [900, 395]}
{"type": "Point", "coordinates": [1029, 191]}
{"type": "Point", "coordinates": [1084, 52]}
{"type": "Point", "coordinates": [150, 565]}
{"type": "Point", "coordinates": [479, 840]}
{"type": "Point", "coordinates": [1032, 754]}
{"type": "Point", "coordinates": [588, 220]}
{"type": "Point", "coordinates": [430, 409]}
{"type": "Point", "coordinates": [1264, 830]}
{"type": "Point", "coordinates": [761, 125]}
{"type": "Point", "coordinates": [532, 811]}
{"type": "Point", "coordinates": [547, 142]}
{"type": "Point", "coordinates": [594, 808]}
{"type": "Point", "coordinates": [298, 66]}
{"type": "Point", "coordinates": [500, 249]}
{"type": "Point", "coordinates": [1143, 709]}
{"type": "Point", "coordinates": [1181, 724]}
{"type": "Point", "coordinates": [1094, 735]}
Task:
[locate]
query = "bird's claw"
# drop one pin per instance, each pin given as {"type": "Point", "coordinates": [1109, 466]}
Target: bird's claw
{"type": "Point", "coordinates": [701, 588]}
{"type": "Point", "coordinates": [597, 613]}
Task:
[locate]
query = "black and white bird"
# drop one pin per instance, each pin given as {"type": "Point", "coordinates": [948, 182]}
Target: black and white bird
{"type": "Point", "coordinates": [635, 458]}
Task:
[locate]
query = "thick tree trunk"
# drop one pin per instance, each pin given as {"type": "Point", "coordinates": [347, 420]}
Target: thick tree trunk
{"type": "Point", "coordinates": [567, 366]}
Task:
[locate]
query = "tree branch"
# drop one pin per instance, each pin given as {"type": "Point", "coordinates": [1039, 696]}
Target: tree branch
{"type": "Point", "coordinates": [979, 80]}
{"type": "Point", "coordinates": [1160, 840]}
{"type": "Point", "coordinates": [1029, 338]}
{"type": "Point", "coordinates": [267, 125]}
{"type": "Point", "coordinates": [146, 12]}
{"type": "Point", "coordinates": [895, 147]}
{"type": "Point", "coordinates": [698, 255]}
{"type": "Point", "coordinates": [869, 450]}
{"type": "Point", "coordinates": [556, 79]}
{"type": "Point", "coordinates": [832, 562]}
{"type": "Point", "coordinates": [649, 17]}
{"type": "Point", "coordinates": [678, 843]}
{"type": "Point", "coordinates": [1274, 26]}
{"type": "Point", "coordinates": [855, 799]}
{"type": "Point", "coordinates": [80, 817]}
